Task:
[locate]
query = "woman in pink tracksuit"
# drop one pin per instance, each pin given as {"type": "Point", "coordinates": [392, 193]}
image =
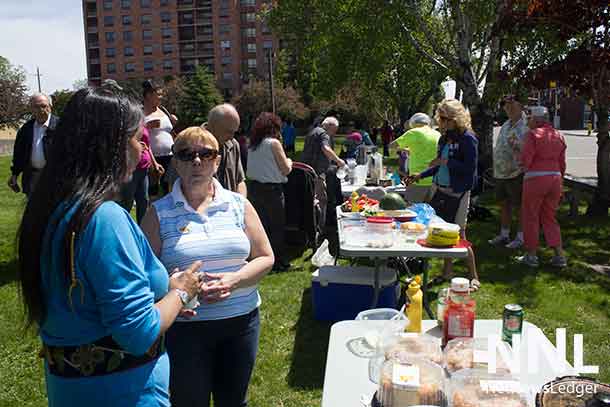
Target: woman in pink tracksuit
{"type": "Point", "coordinates": [544, 161]}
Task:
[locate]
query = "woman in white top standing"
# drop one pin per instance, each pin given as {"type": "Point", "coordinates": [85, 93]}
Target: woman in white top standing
{"type": "Point", "coordinates": [160, 124]}
{"type": "Point", "coordinates": [268, 167]}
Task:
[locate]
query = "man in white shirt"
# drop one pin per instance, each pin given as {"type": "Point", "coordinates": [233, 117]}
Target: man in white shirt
{"type": "Point", "coordinates": [31, 145]}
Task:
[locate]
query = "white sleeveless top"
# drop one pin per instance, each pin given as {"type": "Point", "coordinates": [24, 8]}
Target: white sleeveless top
{"type": "Point", "coordinates": [262, 166]}
{"type": "Point", "coordinates": [216, 237]}
{"type": "Point", "coordinates": [161, 140]}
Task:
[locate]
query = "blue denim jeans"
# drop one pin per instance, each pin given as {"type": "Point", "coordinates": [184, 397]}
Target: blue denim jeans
{"type": "Point", "coordinates": [212, 358]}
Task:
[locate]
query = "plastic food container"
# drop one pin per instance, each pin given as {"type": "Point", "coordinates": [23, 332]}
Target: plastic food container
{"type": "Point", "coordinates": [477, 387]}
{"type": "Point", "coordinates": [379, 224]}
{"type": "Point", "coordinates": [404, 347]}
{"type": "Point", "coordinates": [383, 314]}
{"type": "Point", "coordinates": [417, 383]}
{"type": "Point", "coordinates": [471, 353]}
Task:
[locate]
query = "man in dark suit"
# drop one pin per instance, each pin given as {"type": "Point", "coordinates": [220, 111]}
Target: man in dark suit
{"type": "Point", "coordinates": [32, 144]}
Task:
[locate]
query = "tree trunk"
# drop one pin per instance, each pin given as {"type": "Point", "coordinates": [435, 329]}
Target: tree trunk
{"type": "Point", "coordinates": [482, 123]}
{"type": "Point", "coordinates": [601, 200]}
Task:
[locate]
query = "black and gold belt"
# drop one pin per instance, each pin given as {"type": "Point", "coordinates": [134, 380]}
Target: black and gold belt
{"type": "Point", "coordinates": [101, 357]}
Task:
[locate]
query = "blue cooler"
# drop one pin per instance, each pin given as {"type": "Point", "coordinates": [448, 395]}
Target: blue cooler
{"type": "Point", "coordinates": [340, 293]}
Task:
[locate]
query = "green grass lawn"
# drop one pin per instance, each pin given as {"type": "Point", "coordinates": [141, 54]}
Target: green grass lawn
{"type": "Point", "coordinates": [292, 353]}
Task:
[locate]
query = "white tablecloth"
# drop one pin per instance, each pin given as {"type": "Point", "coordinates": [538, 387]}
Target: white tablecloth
{"type": "Point", "coordinates": [346, 379]}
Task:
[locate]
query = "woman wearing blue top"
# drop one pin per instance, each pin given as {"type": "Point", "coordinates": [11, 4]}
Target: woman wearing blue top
{"type": "Point", "coordinates": [200, 220]}
{"type": "Point", "coordinates": [89, 279]}
{"type": "Point", "coordinates": [454, 169]}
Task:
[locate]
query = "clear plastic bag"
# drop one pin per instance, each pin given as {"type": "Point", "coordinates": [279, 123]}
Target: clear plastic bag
{"type": "Point", "coordinates": [322, 256]}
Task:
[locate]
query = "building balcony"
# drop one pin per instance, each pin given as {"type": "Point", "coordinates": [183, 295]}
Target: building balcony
{"type": "Point", "coordinates": [92, 29]}
{"type": "Point", "coordinates": [93, 44]}
{"type": "Point", "coordinates": [205, 37]}
{"type": "Point", "coordinates": [91, 13]}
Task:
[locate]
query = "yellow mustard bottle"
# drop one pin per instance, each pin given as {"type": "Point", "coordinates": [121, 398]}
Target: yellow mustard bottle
{"type": "Point", "coordinates": [414, 307]}
{"type": "Point", "coordinates": [355, 207]}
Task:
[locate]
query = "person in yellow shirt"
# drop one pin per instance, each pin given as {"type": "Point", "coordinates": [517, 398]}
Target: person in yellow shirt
{"type": "Point", "coordinates": [420, 142]}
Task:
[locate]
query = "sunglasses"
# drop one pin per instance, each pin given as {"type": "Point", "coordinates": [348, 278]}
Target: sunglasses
{"type": "Point", "coordinates": [205, 154]}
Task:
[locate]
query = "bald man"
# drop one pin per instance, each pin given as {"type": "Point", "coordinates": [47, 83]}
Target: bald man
{"type": "Point", "coordinates": [223, 123]}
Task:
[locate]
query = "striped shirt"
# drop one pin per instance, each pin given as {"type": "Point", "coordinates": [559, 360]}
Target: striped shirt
{"type": "Point", "coordinates": [216, 237]}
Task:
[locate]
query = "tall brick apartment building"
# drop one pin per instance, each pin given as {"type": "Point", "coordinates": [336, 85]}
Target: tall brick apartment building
{"type": "Point", "coordinates": [135, 39]}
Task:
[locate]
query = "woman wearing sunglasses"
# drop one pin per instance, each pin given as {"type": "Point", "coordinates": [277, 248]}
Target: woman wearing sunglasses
{"type": "Point", "coordinates": [454, 171]}
{"type": "Point", "coordinates": [267, 174]}
{"type": "Point", "coordinates": [216, 348]}
{"type": "Point", "coordinates": [89, 279]}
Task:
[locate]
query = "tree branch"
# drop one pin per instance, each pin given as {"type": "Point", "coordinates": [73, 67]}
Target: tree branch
{"type": "Point", "coordinates": [419, 48]}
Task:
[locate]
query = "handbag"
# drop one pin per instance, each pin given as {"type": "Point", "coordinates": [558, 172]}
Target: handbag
{"type": "Point", "coordinates": [445, 205]}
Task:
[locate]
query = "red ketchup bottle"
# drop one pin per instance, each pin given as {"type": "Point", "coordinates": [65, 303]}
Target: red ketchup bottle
{"type": "Point", "coordinates": [458, 321]}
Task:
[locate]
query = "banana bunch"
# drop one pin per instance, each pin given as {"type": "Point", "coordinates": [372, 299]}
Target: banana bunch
{"type": "Point", "coordinates": [443, 234]}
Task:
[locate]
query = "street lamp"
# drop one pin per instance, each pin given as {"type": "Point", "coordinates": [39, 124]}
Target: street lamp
{"type": "Point", "coordinates": [271, 88]}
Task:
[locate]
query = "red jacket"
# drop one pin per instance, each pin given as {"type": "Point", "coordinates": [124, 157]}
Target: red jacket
{"type": "Point", "coordinates": [544, 149]}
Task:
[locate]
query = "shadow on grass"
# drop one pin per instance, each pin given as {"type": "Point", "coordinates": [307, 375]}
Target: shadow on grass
{"type": "Point", "coordinates": [310, 348]}
{"type": "Point", "coordinates": [8, 272]}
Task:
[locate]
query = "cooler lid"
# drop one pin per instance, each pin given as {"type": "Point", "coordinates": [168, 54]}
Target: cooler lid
{"type": "Point", "coordinates": [352, 275]}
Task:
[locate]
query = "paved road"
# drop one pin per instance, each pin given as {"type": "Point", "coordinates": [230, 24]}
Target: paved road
{"type": "Point", "coordinates": [581, 154]}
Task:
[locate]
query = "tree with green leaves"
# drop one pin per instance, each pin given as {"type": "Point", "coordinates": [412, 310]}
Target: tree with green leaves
{"type": "Point", "coordinates": [60, 100]}
{"type": "Point", "coordinates": [200, 96]}
{"type": "Point", "coordinates": [581, 29]}
{"type": "Point", "coordinates": [341, 45]}
{"type": "Point", "coordinates": [255, 99]}
{"type": "Point", "coordinates": [13, 95]}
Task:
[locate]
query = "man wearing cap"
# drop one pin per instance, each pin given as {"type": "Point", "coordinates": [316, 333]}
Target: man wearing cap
{"type": "Point", "coordinates": [508, 172]}
{"type": "Point", "coordinates": [420, 142]}
{"type": "Point", "coordinates": [544, 161]}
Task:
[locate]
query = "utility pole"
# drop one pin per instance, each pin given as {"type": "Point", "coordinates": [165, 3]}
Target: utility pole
{"type": "Point", "coordinates": [38, 76]}
{"type": "Point", "coordinates": [271, 89]}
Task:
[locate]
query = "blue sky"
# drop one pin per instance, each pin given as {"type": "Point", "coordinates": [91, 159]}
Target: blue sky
{"type": "Point", "coordinates": [44, 33]}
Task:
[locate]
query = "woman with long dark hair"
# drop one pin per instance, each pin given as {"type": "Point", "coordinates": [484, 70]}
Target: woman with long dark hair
{"type": "Point", "coordinates": [89, 280]}
{"type": "Point", "coordinates": [267, 173]}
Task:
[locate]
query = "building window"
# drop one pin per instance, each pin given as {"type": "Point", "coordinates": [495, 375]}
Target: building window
{"type": "Point", "coordinates": [125, 4]}
{"type": "Point", "coordinates": [145, 3]}
{"type": "Point", "coordinates": [251, 63]}
{"type": "Point", "coordinates": [249, 32]}
{"type": "Point", "coordinates": [248, 17]}
{"type": "Point", "coordinates": [168, 49]}
{"type": "Point", "coordinates": [148, 49]}
{"type": "Point", "coordinates": [267, 44]}
{"type": "Point", "coordinates": [127, 35]}
{"type": "Point", "coordinates": [107, 4]}
{"type": "Point", "coordinates": [111, 68]}
{"type": "Point", "coordinates": [146, 19]}
{"type": "Point", "coordinates": [110, 52]}
{"type": "Point", "coordinates": [225, 44]}
{"type": "Point", "coordinates": [227, 75]}
{"type": "Point", "coordinates": [147, 35]}
{"type": "Point", "coordinates": [109, 36]}
{"type": "Point", "coordinates": [252, 48]}
{"type": "Point", "coordinates": [108, 21]}
{"type": "Point", "coordinates": [168, 64]}
{"type": "Point", "coordinates": [265, 28]}
{"type": "Point", "coordinates": [225, 28]}
{"type": "Point", "coordinates": [166, 17]}
{"type": "Point", "coordinates": [148, 66]}
{"type": "Point", "coordinates": [126, 20]}
{"type": "Point", "coordinates": [166, 32]}
{"type": "Point", "coordinates": [128, 51]}
{"type": "Point", "coordinates": [130, 67]}
{"type": "Point", "coordinates": [226, 60]}
{"type": "Point", "coordinates": [163, 3]}
{"type": "Point", "coordinates": [247, 2]}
